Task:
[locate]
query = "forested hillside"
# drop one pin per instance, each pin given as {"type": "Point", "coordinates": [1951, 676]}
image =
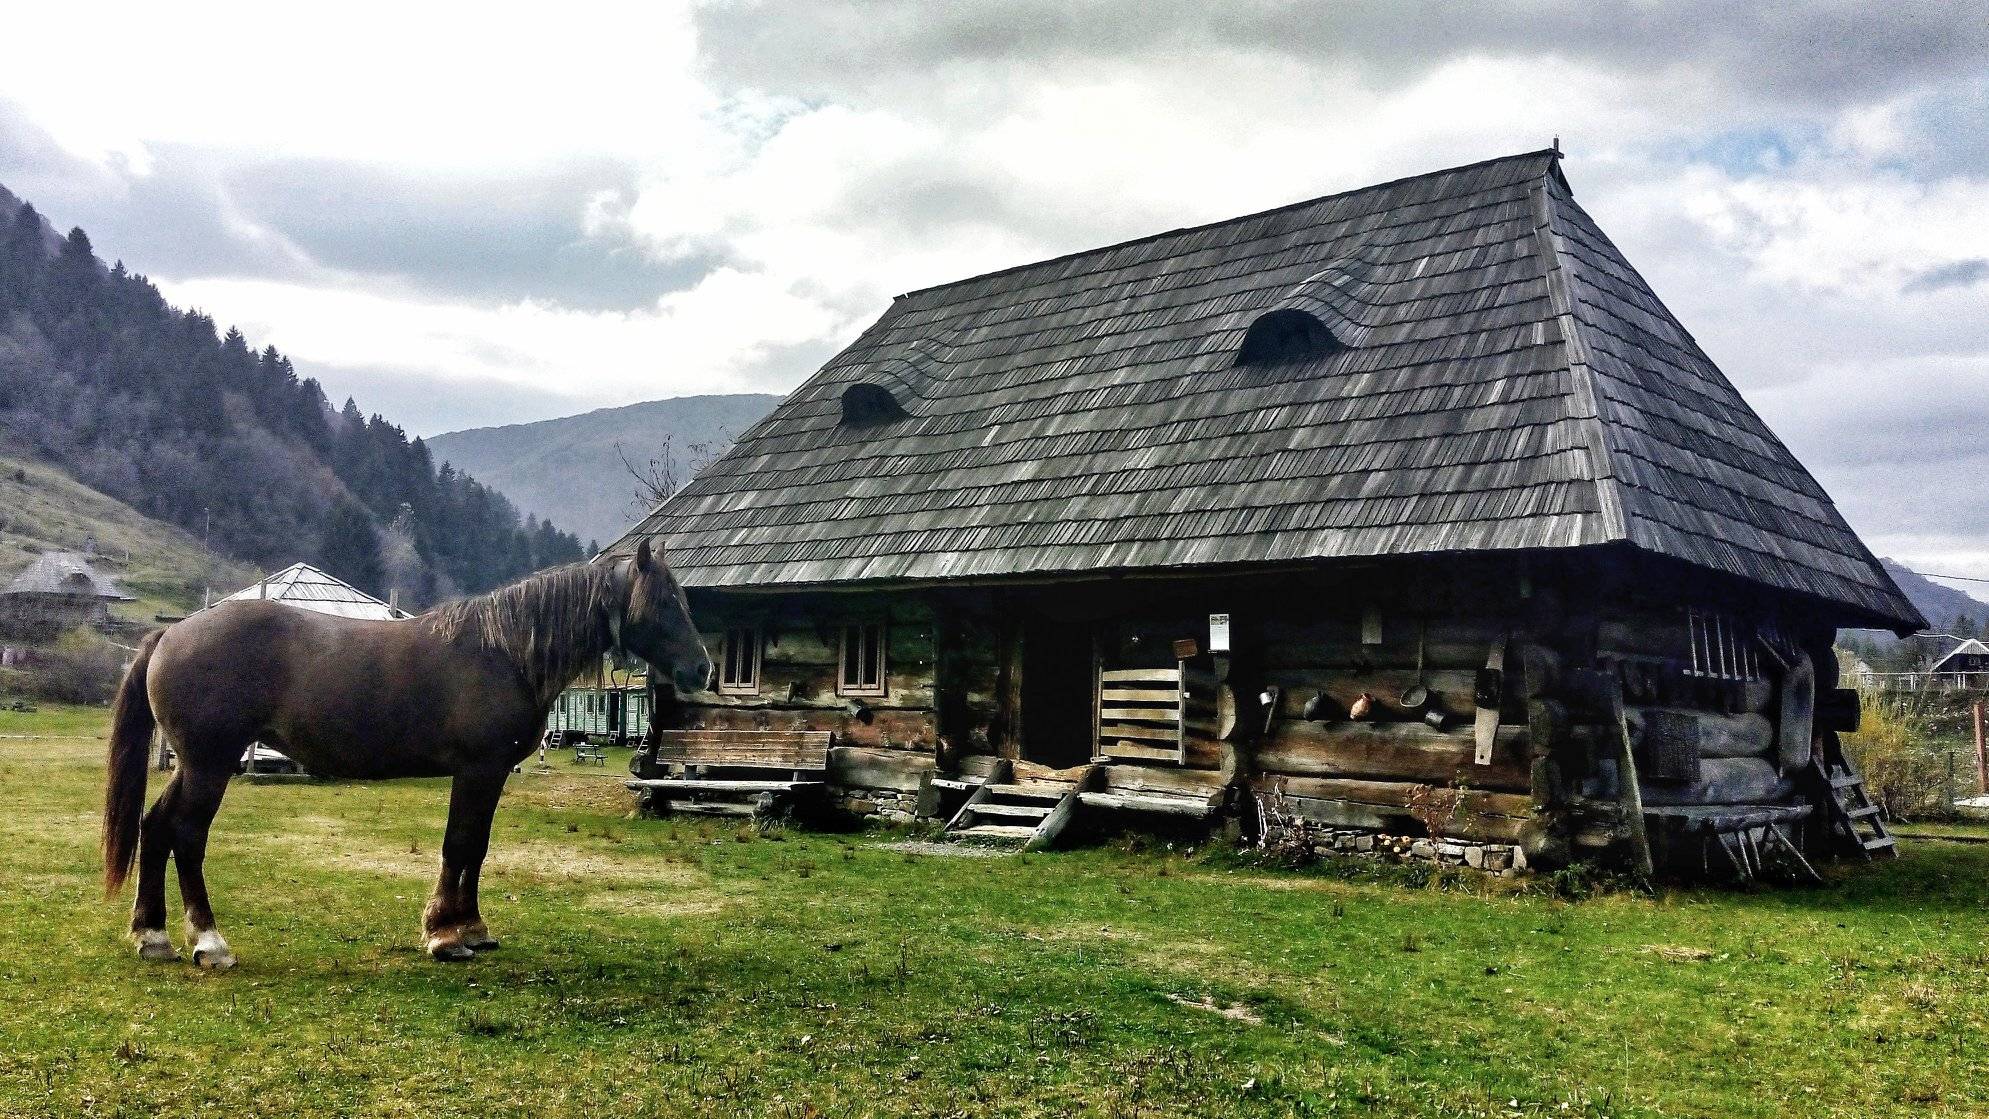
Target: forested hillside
{"type": "Point", "coordinates": [154, 406]}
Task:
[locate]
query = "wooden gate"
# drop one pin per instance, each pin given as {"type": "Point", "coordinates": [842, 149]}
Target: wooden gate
{"type": "Point", "coordinates": [1141, 713]}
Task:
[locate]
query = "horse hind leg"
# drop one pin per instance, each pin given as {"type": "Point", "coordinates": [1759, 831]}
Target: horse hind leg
{"type": "Point", "coordinates": [155, 846]}
{"type": "Point", "coordinates": [200, 798]}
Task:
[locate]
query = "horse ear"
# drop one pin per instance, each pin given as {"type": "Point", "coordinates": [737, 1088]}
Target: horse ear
{"type": "Point", "coordinates": [642, 557]}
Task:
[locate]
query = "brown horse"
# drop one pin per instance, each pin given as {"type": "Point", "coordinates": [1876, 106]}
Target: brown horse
{"type": "Point", "coordinates": [461, 691]}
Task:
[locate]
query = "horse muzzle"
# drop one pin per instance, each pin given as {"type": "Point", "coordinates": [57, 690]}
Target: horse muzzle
{"type": "Point", "coordinates": [694, 678]}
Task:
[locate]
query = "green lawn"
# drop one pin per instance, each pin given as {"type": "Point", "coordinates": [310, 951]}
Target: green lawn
{"type": "Point", "coordinates": [660, 968]}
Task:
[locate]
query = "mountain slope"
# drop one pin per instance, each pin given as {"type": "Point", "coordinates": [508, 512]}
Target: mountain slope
{"type": "Point", "coordinates": [568, 468]}
{"type": "Point", "coordinates": [1940, 605]}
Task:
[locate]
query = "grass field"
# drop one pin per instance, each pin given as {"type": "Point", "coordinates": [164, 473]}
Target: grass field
{"type": "Point", "coordinates": [660, 968]}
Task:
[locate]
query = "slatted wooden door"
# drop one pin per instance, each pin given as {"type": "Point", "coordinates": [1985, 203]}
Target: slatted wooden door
{"type": "Point", "coordinates": [1141, 712]}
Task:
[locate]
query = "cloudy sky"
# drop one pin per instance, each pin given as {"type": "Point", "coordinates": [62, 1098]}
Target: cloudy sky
{"type": "Point", "coordinates": [495, 213]}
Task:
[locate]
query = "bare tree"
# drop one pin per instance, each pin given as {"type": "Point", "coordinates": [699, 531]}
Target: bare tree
{"type": "Point", "coordinates": [656, 477]}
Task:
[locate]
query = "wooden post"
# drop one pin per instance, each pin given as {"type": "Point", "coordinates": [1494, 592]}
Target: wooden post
{"type": "Point", "coordinates": [1981, 753]}
{"type": "Point", "coordinates": [1630, 795]}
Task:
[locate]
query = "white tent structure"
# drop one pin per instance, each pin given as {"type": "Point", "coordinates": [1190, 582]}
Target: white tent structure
{"type": "Point", "coordinates": [305, 586]}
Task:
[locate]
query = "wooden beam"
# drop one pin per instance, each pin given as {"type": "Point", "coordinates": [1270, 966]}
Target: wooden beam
{"type": "Point", "coordinates": [1629, 792]}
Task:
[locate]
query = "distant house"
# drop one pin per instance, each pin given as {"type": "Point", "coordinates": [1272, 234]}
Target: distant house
{"type": "Point", "coordinates": [608, 710]}
{"type": "Point", "coordinates": [308, 588]}
{"type": "Point", "coordinates": [1969, 656]}
{"type": "Point", "coordinates": [57, 591]}
{"type": "Point", "coordinates": [1316, 514]}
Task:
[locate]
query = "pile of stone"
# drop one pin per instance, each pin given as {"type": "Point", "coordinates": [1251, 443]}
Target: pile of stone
{"type": "Point", "coordinates": [1502, 859]}
{"type": "Point", "coordinates": [885, 804]}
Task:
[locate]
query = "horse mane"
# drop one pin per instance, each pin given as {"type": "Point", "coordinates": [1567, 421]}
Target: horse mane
{"type": "Point", "coordinates": [548, 625]}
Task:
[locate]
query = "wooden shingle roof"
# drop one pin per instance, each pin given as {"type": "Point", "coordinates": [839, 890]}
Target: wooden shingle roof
{"type": "Point", "coordinates": [1506, 381]}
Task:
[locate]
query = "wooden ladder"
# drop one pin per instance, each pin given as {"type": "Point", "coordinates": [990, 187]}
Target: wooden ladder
{"type": "Point", "coordinates": [1029, 813]}
{"type": "Point", "coordinates": [1852, 815]}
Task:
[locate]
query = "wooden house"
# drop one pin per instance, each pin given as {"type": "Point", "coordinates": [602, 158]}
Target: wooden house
{"type": "Point", "coordinates": [58, 591]}
{"type": "Point", "coordinates": [1406, 517]}
{"type": "Point", "coordinates": [1970, 655]}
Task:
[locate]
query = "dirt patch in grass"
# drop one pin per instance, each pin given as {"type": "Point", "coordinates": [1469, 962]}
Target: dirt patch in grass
{"type": "Point", "coordinates": [661, 905]}
{"type": "Point", "coordinates": [1234, 1012]}
{"type": "Point", "coordinates": [529, 859]}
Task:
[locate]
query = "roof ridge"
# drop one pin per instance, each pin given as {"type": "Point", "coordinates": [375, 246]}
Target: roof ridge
{"type": "Point", "coordinates": [1602, 455]}
{"type": "Point", "coordinates": [1553, 155]}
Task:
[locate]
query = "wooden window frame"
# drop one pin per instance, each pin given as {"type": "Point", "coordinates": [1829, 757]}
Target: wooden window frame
{"type": "Point", "coordinates": [750, 684]}
{"type": "Point", "coordinates": [859, 689]}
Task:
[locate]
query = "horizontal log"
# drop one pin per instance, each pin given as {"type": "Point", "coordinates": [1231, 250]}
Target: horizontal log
{"type": "Point", "coordinates": [1389, 818]}
{"type": "Point", "coordinates": [1724, 781]}
{"type": "Point", "coordinates": [1718, 736]}
{"type": "Point", "coordinates": [1452, 691]}
{"type": "Point", "coordinates": [1397, 794]}
{"type": "Point", "coordinates": [1173, 806]}
{"type": "Point", "coordinates": [1404, 751]}
{"type": "Point", "coordinates": [868, 768]}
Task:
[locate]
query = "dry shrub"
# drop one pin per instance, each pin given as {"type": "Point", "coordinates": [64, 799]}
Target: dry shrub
{"type": "Point", "coordinates": [1906, 770]}
{"type": "Point", "coordinates": [81, 667]}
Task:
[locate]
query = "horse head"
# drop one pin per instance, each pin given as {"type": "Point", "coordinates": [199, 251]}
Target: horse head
{"type": "Point", "coordinates": [656, 624]}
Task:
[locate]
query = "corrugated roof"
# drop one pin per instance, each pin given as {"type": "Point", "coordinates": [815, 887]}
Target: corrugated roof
{"type": "Point", "coordinates": [305, 586]}
{"type": "Point", "coordinates": [1507, 381]}
{"type": "Point", "coordinates": [65, 573]}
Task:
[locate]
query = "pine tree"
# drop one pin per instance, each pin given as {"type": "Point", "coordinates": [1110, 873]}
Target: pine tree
{"type": "Point", "coordinates": [351, 548]}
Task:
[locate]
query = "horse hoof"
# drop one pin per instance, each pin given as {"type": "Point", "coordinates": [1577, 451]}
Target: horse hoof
{"type": "Point", "coordinates": [450, 951]}
{"type": "Point", "coordinates": [478, 939]}
{"type": "Point", "coordinates": [211, 952]}
{"type": "Point", "coordinates": [155, 945]}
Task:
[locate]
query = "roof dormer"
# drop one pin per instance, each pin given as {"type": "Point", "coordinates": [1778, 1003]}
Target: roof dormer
{"type": "Point", "coordinates": [1287, 334]}
{"type": "Point", "coordinates": [865, 404]}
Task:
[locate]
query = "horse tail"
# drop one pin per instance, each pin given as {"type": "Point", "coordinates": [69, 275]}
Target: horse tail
{"type": "Point", "coordinates": [132, 724]}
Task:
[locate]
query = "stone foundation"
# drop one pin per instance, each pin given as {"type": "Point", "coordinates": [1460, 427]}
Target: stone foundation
{"type": "Point", "coordinates": [888, 805]}
{"type": "Point", "coordinates": [1502, 859]}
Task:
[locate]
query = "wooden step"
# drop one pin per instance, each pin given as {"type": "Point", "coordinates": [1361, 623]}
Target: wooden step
{"type": "Point", "coordinates": [1845, 781]}
{"type": "Point", "coordinates": [1030, 790]}
{"type": "Point", "coordinates": [1865, 812]}
{"type": "Point", "coordinates": [956, 783]}
{"type": "Point", "coordinates": [1877, 843]}
{"type": "Point", "coordinates": [994, 831]}
{"type": "Point", "coordinates": [1015, 811]}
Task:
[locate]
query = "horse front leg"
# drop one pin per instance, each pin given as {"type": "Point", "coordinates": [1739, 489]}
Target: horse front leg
{"type": "Point", "coordinates": [451, 926]}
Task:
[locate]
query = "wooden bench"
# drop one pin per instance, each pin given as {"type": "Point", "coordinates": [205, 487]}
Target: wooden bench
{"type": "Point", "coordinates": [586, 754]}
{"type": "Point", "coordinates": [731, 772]}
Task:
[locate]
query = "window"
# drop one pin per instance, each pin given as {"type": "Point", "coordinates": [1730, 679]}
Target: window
{"type": "Point", "coordinates": [862, 660]}
{"type": "Point", "coordinates": [1722, 647]}
{"type": "Point", "coordinates": [739, 666]}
